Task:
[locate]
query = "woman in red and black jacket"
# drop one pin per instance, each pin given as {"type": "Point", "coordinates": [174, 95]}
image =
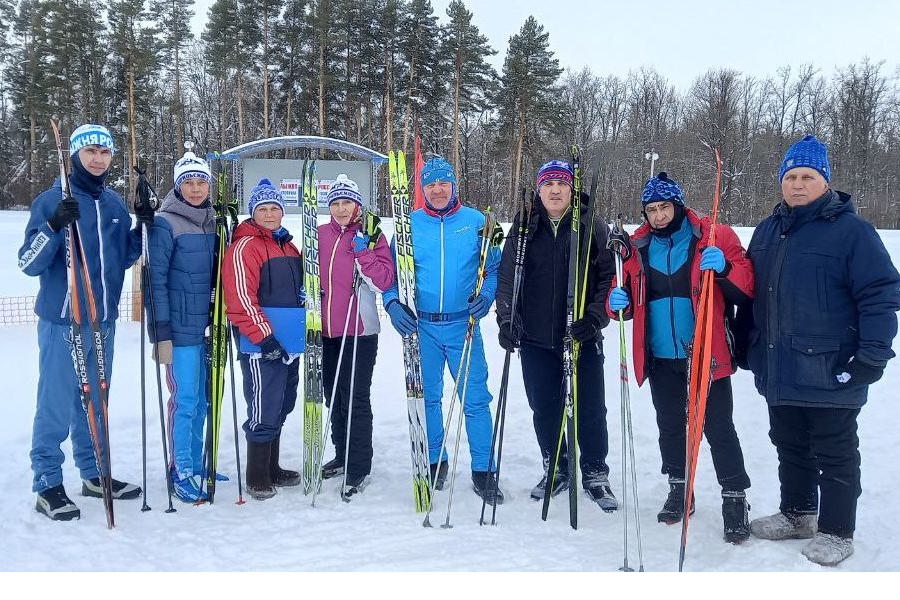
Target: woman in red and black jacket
{"type": "Point", "coordinates": [661, 292]}
{"type": "Point", "coordinates": [263, 280]}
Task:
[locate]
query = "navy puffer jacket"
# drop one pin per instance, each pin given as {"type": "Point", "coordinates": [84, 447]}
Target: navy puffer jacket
{"type": "Point", "coordinates": [826, 290]}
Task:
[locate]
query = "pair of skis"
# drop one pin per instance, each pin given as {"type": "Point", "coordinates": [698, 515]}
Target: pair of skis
{"type": "Point", "coordinates": [313, 390]}
{"type": "Point", "coordinates": [79, 287]}
{"type": "Point", "coordinates": [406, 283]}
{"type": "Point", "coordinates": [700, 371]}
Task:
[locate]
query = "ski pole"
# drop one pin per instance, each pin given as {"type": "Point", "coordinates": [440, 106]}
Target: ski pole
{"type": "Point", "coordinates": [350, 399]}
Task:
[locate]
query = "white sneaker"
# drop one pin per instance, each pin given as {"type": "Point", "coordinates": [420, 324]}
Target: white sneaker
{"type": "Point", "coordinates": [827, 549]}
{"type": "Point", "coordinates": [781, 526]}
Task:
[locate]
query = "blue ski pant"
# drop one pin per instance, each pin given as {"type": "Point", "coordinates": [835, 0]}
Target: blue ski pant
{"type": "Point", "coordinates": [542, 374]}
{"type": "Point", "coordinates": [188, 404]}
{"type": "Point", "coordinates": [270, 389]}
{"type": "Point", "coordinates": [59, 412]}
{"type": "Point", "coordinates": [442, 343]}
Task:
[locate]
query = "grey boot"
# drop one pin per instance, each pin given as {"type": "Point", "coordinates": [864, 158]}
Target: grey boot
{"type": "Point", "coordinates": [784, 526]}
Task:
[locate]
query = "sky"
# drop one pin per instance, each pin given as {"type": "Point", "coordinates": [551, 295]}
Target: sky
{"type": "Point", "coordinates": [683, 39]}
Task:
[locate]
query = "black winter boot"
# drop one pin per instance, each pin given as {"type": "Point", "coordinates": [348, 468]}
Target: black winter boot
{"type": "Point", "coordinates": [735, 516]}
{"type": "Point", "coordinates": [673, 510]}
{"type": "Point", "coordinates": [259, 474]}
{"type": "Point", "coordinates": [281, 477]}
{"type": "Point", "coordinates": [439, 474]}
{"type": "Point", "coordinates": [485, 485]}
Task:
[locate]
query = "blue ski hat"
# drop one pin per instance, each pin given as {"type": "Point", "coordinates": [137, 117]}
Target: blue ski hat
{"type": "Point", "coordinates": [90, 135]}
{"type": "Point", "coordinates": [555, 170]}
{"type": "Point", "coordinates": [438, 169]}
{"type": "Point", "coordinates": [808, 152]}
{"type": "Point", "coordinates": [344, 188]}
{"type": "Point", "coordinates": [660, 189]}
{"type": "Point", "coordinates": [264, 193]}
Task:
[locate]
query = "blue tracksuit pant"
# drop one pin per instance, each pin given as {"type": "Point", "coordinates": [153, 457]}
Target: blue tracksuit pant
{"type": "Point", "coordinates": [442, 343]}
{"type": "Point", "coordinates": [270, 389]}
{"type": "Point", "coordinates": [59, 412]}
{"type": "Point", "coordinates": [188, 403]}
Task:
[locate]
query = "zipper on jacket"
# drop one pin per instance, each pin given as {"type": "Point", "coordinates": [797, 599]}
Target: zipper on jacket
{"type": "Point", "coordinates": [330, 282]}
{"type": "Point", "coordinates": [441, 300]}
{"type": "Point", "coordinates": [102, 265]}
{"type": "Point", "coordinates": [671, 295]}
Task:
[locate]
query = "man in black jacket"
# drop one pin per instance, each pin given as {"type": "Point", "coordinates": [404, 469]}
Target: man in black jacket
{"type": "Point", "coordinates": [540, 326]}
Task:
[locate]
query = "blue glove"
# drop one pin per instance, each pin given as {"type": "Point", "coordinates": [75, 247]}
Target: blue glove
{"type": "Point", "coordinates": [360, 242]}
{"type": "Point", "coordinates": [618, 299]}
{"type": "Point", "coordinates": [479, 306]}
{"type": "Point", "coordinates": [712, 258]}
{"type": "Point", "coordinates": [402, 318]}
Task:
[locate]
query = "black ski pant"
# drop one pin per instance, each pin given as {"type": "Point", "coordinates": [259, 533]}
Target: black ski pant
{"type": "Point", "coordinates": [270, 389]}
{"type": "Point", "coordinates": [668, 387]}
{"type": "Point", "coordinates": [542, 374]}
{"type": "Point", "coordinates": [818, 454]}
{"type": "Point", "coordinates": [359, 459]}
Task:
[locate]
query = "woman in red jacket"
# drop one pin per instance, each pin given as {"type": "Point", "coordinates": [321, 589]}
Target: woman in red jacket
{"type": "Point", "coordinates": [660, 292]}
{"type": "Point", "coordinates": [355, 263]}
{"type": "Point", "coordinates": [263, 280]}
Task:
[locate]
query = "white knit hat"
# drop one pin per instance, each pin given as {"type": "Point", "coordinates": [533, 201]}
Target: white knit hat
{"type": "Point", "coordinates": [191, 166]}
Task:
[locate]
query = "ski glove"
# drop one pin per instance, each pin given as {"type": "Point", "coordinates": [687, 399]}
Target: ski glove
{"type": "Point", "coordinates": [162, 352]}
{"type": "Point", "coordinates": [618, 299]}
{"type": "Point", "coordinates": [586, 328]}
{"type": "Point", "coordinates": [371, 226]}
{"type": "Point", "coordinates": [67, 212]}
{"type": "Point", "coordinates": [712, 259]}
{"type": "Point", "coordinates": [360, 242]}
{"type": "Point", "coordinates": [479, 306]}
{"type": "Point", "coordinates": [402, 318]}
{"type": "Point", "coordinates": [271, 349]}
{"type": "Point", "coordinates": [146, 202]}
{"type": "Point", "coordinates": [506, 337]}
{"type": "Point", "coordinates": [856, 372]}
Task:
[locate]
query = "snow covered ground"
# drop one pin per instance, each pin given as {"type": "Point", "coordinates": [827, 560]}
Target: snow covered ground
{"type": "Point", "coordinates": [379, 531]}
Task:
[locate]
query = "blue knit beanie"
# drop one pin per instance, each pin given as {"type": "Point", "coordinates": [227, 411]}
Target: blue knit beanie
{"type": "Point", "coordinates": [554, 170]}
{"type": "Point", "coordinates": [264, 193]}
{"type": "Point", "coordinates": [90, 135]}
{"type": "Point", "coordinates": [438, 169]}
{"type": "Point", "coordinates": [660, 189]}
{"type": "Point", "coordinates": [808, 152]}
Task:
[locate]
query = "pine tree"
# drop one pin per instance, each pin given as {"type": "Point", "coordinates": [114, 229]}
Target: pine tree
{"type": "Point", "coordinates": [528, 100]}
{"type": "Point", "coordinates": [425, 85]}
{"type": "Point", "coordinates": [222, 42]}
{"type": "Point", "coordinates": [174, 18]}
{"type": "Point", "coordinates": [471, 77]}
{"type": "Point", "coordinates": [293, 55]}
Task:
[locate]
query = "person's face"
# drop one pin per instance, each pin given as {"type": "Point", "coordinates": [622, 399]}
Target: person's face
{"type": "Point", "coordinates": [194, 190]}
{"type": "Point", "coordinates": [439, 193]}
{"type": "Point", "coordinates": [268, 215]}
{"type": "Point", "coordinates": [802, 185]}
{"type": "Point", "coordinates": [96, 159]}
{"type": "Point", "coordinates": [556, 197]}
{"type": "Point", "coordinates": [660, 214]}
{"type": "Point", "coordinates": [344, 211]}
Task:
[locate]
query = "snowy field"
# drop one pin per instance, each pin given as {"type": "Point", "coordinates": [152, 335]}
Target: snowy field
{"type": "Point", "coordinates": [379, 531]}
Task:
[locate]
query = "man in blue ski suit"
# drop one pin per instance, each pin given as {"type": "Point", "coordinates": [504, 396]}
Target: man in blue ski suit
{"type": "Point", "coordinates": [446, 248]}
{"type": "Point", "coordinates": [109, 249]}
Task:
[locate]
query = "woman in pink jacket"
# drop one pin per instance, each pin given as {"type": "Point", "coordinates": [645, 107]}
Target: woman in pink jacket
{"type": "Point", "coordinates": [355, 262]}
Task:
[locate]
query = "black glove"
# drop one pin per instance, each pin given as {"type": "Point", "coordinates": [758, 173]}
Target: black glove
{"type": "Point", "coordinates": [586, 328]}
{"type": "Point", "coordinates": [508, 340]}
{"type": "Point", "coordinates": [856, 372]}
{"type": "Point", "coordinates": [145, 200]}
{"type": "Point", "coordinates": [67, 212]}
{"type": "Point", "coordinates": [271, 349]}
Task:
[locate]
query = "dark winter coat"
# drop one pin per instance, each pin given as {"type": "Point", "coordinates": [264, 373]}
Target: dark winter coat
{"type": "Point", "coordinates": [545, 274]}
{"type": "Point", "coordinates": [733, 287]}
{"type": "Point", "coordinates": [110, 246]}
{"type": "Point", "coordinates": [182, 244]}
{"type": "Point", "coordinates": [259, 273]}
{"type": "Point", "coordinates": [826, 290]}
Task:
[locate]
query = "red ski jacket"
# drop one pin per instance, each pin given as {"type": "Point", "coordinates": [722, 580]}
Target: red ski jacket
{"type": "Point", "coordinates": [733, 287]}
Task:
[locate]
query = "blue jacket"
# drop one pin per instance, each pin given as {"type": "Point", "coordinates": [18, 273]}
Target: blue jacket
{"type": "Point", "coordinates": [826, 290]}
{"type": "Point", "coordinates": [182, 247]}
{"type": "Point", "coordinates": [109, 245]}
{"type": "Point", "coordinates": [445, 254]}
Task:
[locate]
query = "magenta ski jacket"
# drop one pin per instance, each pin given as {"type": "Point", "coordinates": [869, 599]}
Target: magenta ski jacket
{"type": "Point", "coordinates": [337, 262]}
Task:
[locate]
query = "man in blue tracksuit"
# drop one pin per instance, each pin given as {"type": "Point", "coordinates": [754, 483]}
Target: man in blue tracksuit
{"type": "Point", "coordinates": [446, 248]}
{"type": "Point", "coordinates": [103, 224]}
{"type": "Point", "coordinates": [182, 247]}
